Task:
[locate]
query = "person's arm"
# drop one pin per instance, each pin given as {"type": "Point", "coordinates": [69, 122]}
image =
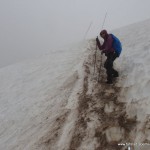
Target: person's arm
{"type": "Point", "coordinates": [101, 47]}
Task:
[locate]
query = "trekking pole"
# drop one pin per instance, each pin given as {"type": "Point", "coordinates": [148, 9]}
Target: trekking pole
{"type": "Point", "coordinates": [101, 53]}
{"type": "Point", "coordinates": [104, 20]}
{"type": "Point", "coordinates": [95, 58]}
{"type": "Point", "coordinates": [88, 30]}
{"type": "Point", "coordinates": [100, 68]}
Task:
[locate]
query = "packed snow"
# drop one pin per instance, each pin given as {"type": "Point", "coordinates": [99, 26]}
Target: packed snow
{"type": "Point", "coordinates": [54, 102]}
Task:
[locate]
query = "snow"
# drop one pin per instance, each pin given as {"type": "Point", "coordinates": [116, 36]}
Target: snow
{"type": "Point", "coordinates": [135, 67]}
{"type": "Point", "coordinates": [33, 90]}
{"type": "Point", "coordinates": [54, 102]}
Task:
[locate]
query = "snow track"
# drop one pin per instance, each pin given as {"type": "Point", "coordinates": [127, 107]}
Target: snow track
{"type": "Point", "coordinates": [96, 115]}
{"type": "Point", "coordinates": [102, 120]}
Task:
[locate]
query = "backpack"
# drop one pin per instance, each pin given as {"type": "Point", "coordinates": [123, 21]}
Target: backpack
{"type": "Point", "coordinates": [116, 45]}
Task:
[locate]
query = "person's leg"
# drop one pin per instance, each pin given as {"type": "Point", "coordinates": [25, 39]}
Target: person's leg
{"type": "Point", "coordinates": [108, 65]}
{"type": "Point", "coordinates": [114, 72]}
{"type": "Point", "coordinates": [114, 56]}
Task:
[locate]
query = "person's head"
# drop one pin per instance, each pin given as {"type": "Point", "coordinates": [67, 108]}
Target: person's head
{"type": "Point", "coordinates": [104, 34]}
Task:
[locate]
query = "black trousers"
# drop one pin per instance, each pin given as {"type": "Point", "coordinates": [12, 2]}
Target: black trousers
{"type": "Point", "coordinates": [109, 66]}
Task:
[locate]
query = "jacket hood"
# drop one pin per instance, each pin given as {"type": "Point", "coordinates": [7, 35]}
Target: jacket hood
{"type": "Point", "coordinates": [103, 32]}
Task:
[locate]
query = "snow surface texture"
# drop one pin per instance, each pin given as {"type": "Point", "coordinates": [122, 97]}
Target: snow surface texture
{"type": "Point", "coordinates": [54, 102]}
{"type": "Point", "coordinates": [33, 94]}
{"type": "Point", "coordinates": [135, 67]}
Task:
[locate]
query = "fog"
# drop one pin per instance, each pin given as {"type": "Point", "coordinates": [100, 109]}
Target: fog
{"type": "Point", "coordinates": [30, 28]}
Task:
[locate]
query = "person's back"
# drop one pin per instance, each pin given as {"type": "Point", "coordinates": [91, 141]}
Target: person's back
{"type": "Point", "coordinates": [116, 45]}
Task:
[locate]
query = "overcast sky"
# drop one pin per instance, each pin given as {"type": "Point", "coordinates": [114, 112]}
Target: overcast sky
{"type": "Point", "coordinates": [33, 27]}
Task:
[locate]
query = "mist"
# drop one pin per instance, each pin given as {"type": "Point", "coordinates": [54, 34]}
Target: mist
{"type": "Point", "coordinates": [31, 28]}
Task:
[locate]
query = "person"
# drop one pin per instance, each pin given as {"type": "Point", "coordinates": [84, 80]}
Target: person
{"type": "Point", "coordinates": [107, 48]}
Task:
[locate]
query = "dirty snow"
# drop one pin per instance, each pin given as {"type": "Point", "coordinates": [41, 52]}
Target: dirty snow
{"type": "Point", "coordinates": [55, 102]}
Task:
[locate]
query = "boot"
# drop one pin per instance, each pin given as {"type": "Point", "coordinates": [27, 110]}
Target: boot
{"type": "Point", "coordinates": [109, 82]}
{"type": "Point", "coordinates": [115, 73]}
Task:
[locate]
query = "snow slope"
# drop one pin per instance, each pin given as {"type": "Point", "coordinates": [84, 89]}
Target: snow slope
{"type": "Point", "coordinates": [55, 102]}
{"type": "Point", "coordinates": [135, 66]}
{"type": "Point", "coordinates": [34, 93]}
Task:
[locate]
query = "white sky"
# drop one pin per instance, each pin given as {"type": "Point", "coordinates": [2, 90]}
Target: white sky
{"type": "Point", "coordinates": [34, 27]}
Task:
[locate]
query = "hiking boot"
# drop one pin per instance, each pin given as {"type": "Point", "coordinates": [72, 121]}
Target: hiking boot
{"type": "Point", "coordinates": [115, 75]}
{"type": "Point", "coordinates": [109, 82]}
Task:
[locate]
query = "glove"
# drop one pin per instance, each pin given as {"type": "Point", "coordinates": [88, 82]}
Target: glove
{"type": "Point", "coordinates": [102, 52]}
{"type": "Point", "coordinates": [97, 40]}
